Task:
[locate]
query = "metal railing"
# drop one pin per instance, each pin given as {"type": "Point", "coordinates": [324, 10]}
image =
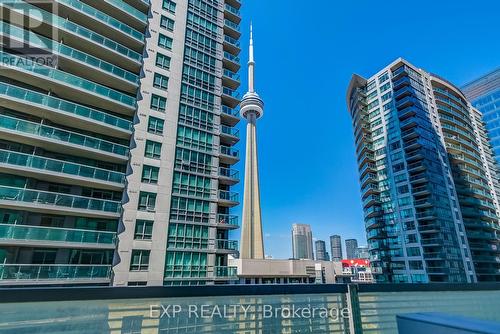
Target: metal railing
{"type": "Point", "coordinates": [53, 272]}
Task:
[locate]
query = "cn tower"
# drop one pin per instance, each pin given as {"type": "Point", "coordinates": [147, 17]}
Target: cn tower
{"type": "Point", "coordinates": [251, 109]}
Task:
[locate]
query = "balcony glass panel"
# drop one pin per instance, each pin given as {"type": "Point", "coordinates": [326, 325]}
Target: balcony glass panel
{"type": "Point", "coordinates": [20, 125]}
{"type": "Point", "coordinates": [54, 272]}
{"type": "Point", "coordinates": [59, 166]}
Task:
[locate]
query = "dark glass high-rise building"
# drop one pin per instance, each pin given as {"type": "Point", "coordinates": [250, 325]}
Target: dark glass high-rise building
{"type": "Point", "coordinates": [321, 253]}
{"type": "Point", "coordinates": [426, 176]}
{"type": "Point", "coordinates": [336, 247]}
{"type": "Point", "coordinates": [351, 248]}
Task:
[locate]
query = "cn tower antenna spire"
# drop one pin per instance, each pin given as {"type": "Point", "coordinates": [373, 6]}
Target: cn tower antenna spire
{"type": "Point", "coordinates": [251, 63]}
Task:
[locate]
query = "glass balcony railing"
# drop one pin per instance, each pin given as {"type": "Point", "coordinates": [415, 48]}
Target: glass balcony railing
{"type": "Point", "coordinates": [41, 42]}
{"type": "Point", "coordinates": [100, 16]}
{"type": "Point", "coordinates": [126, 8]}
{"type": "Point", "coordinates": [66, 79]}
{"type": "Point", "coordinates": [228, 196]}
{"type": "Point", "coordinates": [229, 173]}
{"type": "Point", "coordinates": [231, 75]}
{"type": "Point", "coordinates": [58, 199]}
{"type": "Point", "coordinates": [233, 58]}
{"type": "Point", "coordinates": [228, 130]}
{"type": "Point", "coordinates": [65, 136]}
{"type": "Point", "coordinates": [227, 244]}
{"type": "Point", "coordinates": [58, 22]}
{"type": "Point", "coordinates": [225, 150]}
{"type": "Point", "coordinates": [59, 166]}
{"type": "Point", "coordinates": [231, 24]}
{"type": "Point", "coordinates": [227, 220]}
{"type": "Point", "coordinates": [229, 111]}
{"type": "Point", "coordinates": [232, 10]}
{"type": "Point", "coordinates": [339, 308]}
{"type": "Point", "coordinates": [232, 41]}
{"type": "Point", "coordinates": [225, 271]}
{"type": "Point", "coordinates": [44, 100]}
{"type": "Point", "coordinates": [42, 233]}
{"type": "Point", "coordinates": [228, 91]}
{"type": "Point", "coordinates": [53, 272]}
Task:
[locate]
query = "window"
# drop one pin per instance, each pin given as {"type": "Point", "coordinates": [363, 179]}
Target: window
{"type": "Point", "coordinates": [153, 149]}
{"type": "Point", "coordinates": [155, 125]}
{"type": "Point", "coordinates": [143, 229]}
{"type": "Point", "coordinates": [383, 78]}
{"type": "Point", "coordinates": [165, 42]}
{"type": "Point", "coordinates": [158, 103]}
{"type": "Point", "coordinates": [150, 174]}
{"type": "Point", "coordinates": [167, 23]}
{"type": "Point", "coordinates": [169, 6]}
{"type": "Point", "coordinates": [147, 201]}
{"type": "Point", "coordinates": [140, 260]}
{"type": "Point", "coordinates": [162, 61]}
{"type": "Point", "coordinates": [160, 81]}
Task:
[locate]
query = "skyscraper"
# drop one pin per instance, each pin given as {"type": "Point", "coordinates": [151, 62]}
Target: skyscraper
{"type": "Point", "coordinates": [302, 245]}
{"type": "Point", "coordinates": [484, 94]}
{"type": "Point", "coordinates": [116, 141]}
{"type": "Point", "coordinates": [321, 253]}
{"type": "Point", "coordinates": [251, 109]}
{"type": "Point", "coordinates": [351, 248]}
{"type": "Point", "coordinates": [425, 164]}
{"type": "Point", "coordinates": [336, 247]}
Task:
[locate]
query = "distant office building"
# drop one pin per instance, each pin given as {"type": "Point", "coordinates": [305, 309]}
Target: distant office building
{"type": "Point", "coordinates": [484, 94]}
{"type": "Point", "coordinates": [336, 247]}
{"type": "Point", "coordinates": [327, 256]}
{"type": "Point", "coordinates": [427, 178]}
{"type": "Point", "coordinates": [321, 254]}
{"type": "Point", "coordinates": [302, 244]}
{"type": "Point", "coordinates": [351, 248]}
{"type": "Point", "coordinates": [362, 253]}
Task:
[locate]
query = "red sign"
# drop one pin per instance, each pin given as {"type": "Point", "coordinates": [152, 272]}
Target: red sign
{"type": "Point", "coordinates": [356, 263]}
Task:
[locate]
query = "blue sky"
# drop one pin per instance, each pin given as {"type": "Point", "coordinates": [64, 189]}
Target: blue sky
{"type": "Point", "coordinates": [305, 57]}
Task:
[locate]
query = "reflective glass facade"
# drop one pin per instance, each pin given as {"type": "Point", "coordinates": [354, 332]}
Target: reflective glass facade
{"type": "Point", "coordinates": [426, 175]}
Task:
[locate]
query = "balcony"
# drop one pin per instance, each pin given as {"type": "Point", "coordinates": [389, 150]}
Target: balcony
{"type": "Point", "coordinates": [230, 97]}
{"type": "Point", "coordinates": [60, 140]}
{"type": "Point", "coordinates": [81, 63]}
{"type": "Point", "coordinates": [53, 274]}
{"type": "Point", "coordinates": [225, 272]}
{"type": "Point", "coordinates": [101, 22]}
{"type": "Point", "coordinates": [229, 155]}
{"type": "Point", "coordinates": [406, 102]}
{"type": "Point", "coordinates": [122, 10]}
{"type": "Point", "coordinates": [232, 13]}
{"type": "Point", "coordinates": [65, 112]}
{"type": "Point", "coordinates": [223, 245]}
{"type": "Point", "coordinates": [41, 236]}
{"type": "Point", "coordinates": [227, 221]}
{"type": "Point", "coordinates": [230, 79]}
{"type": "Point", "coordinates": [231, 28]}
{"type": "Point", "coordinates": [229, 116]}
{"type": "Point", "coordinates": [228, 198]}
{"type": "Point", "coordinates": [74, 34]}
{"type": "Point", "coordinates": [58, 203]}
{"type": "Point", "coordinates": [231, 62]}
{"type": "Point", "coordinates": [67, 85]}
{"type": "Point", "coordinates": [59, 171]}
{"type": "Point", "coordinates": [368, 306]}
{"type": "Point", "coordinates": [232, 45]}
{"type": "Point", "coordinates": [228, 176]}
{"type": "Point", "coordinates": [229, 135]}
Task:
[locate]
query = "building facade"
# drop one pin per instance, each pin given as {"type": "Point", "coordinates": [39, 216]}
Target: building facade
{"type": "Point", "coordinates": [116, 158]}
{"type": "Point", "coordinates": [321, 253]}
{"type": "Point", "coordinates": [484, 94]}
{"type": "Point", "coordinates": [302, 245]}
{"type": "Point", "coordinates": [351, 248]}
{"type": "Point", "coordinates": [363, 253]}
{"type": "Point", "coordinates": [336, 247]}
{"type": "Point", "coordinates": [426, 175]}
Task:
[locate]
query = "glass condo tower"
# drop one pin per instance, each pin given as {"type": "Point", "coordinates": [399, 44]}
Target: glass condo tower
{"type": "Point", "coordinates": [426, 174]}
{"type": "Point", "coordinates": [116, 141]}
